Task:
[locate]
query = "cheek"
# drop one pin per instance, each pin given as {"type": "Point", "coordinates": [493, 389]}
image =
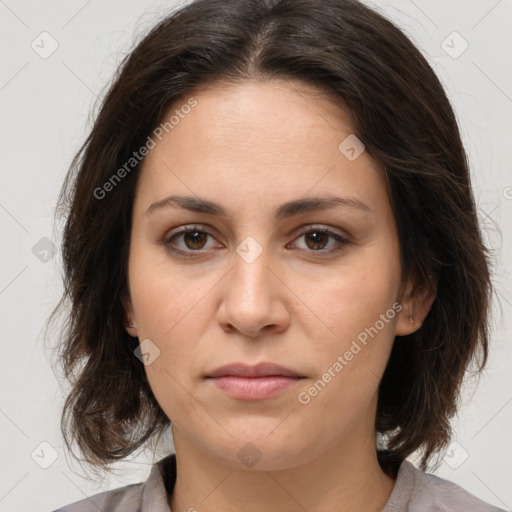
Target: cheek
{"type": "Point", "coordinates": [174, 319]}
{"type": "Point", "coordinates": [359, 307]}
{"type": "Point", "coordinates": [170, 309]}
{"type": "Point", "coordinates": [164, 297]}
{"type": "Point", "coordinates": [354, 296]}
{"type": "Point", "coordinates": [165, 312]}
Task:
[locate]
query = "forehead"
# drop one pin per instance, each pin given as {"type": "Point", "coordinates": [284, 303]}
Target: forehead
{"type": "Point", "coordinates": [259, 139]}
{"type": "Point", "coordinates": [273, 113]}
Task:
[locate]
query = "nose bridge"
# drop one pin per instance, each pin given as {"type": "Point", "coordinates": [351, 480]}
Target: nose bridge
{"type": "Point", "coordinates": [251, 267]}
{"type": "Point", "coordinates": [251, 295]}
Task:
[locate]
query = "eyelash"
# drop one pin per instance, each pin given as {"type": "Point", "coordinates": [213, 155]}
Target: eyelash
{"type": "Point", "coordinates": [167, 241]}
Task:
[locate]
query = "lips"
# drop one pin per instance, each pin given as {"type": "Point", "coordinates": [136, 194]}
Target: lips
{"type": "Point", "coordinates": [259, 370]}
{"type": "Point", "coordinates": [262, 381]}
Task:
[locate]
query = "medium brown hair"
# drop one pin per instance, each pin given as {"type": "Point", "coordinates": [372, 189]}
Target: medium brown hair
{"type": "Point", "coordinates": [401, 113]}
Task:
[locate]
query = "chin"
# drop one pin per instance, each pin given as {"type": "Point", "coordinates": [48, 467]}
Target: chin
{"type": "Point", "coordinates": [261, 449]}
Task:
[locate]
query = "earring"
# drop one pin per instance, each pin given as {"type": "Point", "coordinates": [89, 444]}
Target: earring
{"type": "Point", "coordinates": [129, 324]}
{"type": "Point", "coordinates": [411, 319]}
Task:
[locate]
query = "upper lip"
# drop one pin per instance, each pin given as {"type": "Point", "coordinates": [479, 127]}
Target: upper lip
{"type": "Point", "coordinates": [259, 370]}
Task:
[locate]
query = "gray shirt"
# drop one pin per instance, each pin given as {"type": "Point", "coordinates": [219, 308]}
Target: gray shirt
{"type": "Point", "coordinates": [414, 491]}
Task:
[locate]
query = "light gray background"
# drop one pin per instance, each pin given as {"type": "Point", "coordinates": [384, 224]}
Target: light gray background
{"type": "Point", "coordinates": [46, 105]}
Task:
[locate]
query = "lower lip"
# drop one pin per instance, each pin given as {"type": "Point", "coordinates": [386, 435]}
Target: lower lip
{"type": "Point", "coordinates": [254, 388]}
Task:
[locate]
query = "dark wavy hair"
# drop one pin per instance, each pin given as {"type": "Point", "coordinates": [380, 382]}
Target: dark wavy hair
{"type": "Point", "coordinates": [401, 113]}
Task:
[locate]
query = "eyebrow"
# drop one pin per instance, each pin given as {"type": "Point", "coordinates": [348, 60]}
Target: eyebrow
{"type": "Point", "coordinates": [286, 210]}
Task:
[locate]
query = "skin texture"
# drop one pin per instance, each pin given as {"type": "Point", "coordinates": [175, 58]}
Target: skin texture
{"type": "Point", "coordinates": [250, 147]}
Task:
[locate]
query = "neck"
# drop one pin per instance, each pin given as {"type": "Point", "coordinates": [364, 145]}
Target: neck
{"type": "Point", "coordinates": [346, 478]}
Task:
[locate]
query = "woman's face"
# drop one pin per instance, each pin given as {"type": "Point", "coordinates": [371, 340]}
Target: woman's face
{"type": "Point", "coordinates": [315, 290]}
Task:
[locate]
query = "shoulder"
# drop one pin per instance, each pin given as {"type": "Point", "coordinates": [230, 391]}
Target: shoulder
{"type": "Point", "coordinates": [122, 499]}
{"type": "Point", "coordinates": [153, 494]}
{"type": "Point", "coordinates": [431, 493]}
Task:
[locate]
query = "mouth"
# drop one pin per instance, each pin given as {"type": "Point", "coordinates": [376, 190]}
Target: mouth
{"type": "Point", "coordinates": [244, 382]}
{"type": "Point", "coordinates": [258, 370]}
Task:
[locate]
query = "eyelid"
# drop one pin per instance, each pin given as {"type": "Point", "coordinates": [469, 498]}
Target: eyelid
{"type": "Point", "coordinates": [341, 239]}
{"type": "Point", "coordinates": [305, 228]}
{"type": "Point", "coordinates": [187, 229]}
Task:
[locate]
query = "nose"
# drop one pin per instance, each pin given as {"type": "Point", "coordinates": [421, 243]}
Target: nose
{"type": "Point", "coordinates": [255, 297]}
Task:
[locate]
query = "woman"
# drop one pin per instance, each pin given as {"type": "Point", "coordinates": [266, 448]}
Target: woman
{"type": "Point", "coordinates": [272, 247]}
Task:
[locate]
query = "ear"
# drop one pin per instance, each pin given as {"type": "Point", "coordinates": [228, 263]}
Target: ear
{"type": "Point", "coordinates": [416, 302]}
{"type": "Point", "coordinates": [130, 322]}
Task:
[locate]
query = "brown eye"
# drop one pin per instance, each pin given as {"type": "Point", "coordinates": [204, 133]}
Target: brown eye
{"type": "Point", "coordinates": [319, 240]}
{"type": "Point", "coordinates": [192, 241]}
{"type": "Point", "coordinates": [195, 239]}
{"type": "Point", "coordinates": [188, 241]}
{"type": "Point", "coordinates": [316, 240]}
